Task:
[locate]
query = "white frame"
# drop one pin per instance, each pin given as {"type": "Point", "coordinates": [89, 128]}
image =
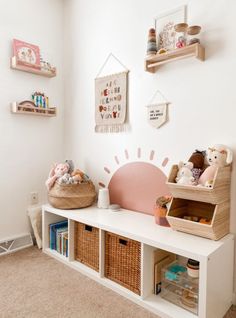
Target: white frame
{"type": "Point", "coordinates": [182, 8]}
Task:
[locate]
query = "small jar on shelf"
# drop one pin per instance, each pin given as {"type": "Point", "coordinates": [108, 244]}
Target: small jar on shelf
{"type": "Point", "coordinates": [181, 38]}
{"type": "Point", "coordinates": [193, 32]}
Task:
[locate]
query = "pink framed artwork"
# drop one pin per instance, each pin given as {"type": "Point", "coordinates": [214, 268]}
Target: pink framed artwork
{"type": "Point", "coordinates": [26, 54]}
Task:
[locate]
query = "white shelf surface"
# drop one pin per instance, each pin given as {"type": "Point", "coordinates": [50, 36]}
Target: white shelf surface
{"type": "Point", "coordinates": [142, 227]}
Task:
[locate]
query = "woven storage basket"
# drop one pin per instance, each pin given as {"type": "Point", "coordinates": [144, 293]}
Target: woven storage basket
{"type": "Point", "coordinates": [72, 196]}
{"type": "Point", "coordinates": [87, 245]}
{"type": "Point", "coordinates": [123, 261]}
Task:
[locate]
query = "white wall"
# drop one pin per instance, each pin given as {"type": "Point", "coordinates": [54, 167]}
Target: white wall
{"type": "Point", "coordinates": [202, 94]}
{"type": "Point", "coordinates": [28, 144]}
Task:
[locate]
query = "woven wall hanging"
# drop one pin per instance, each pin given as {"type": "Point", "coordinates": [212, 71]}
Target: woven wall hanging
{"type": "Point", "coordinates": [111, 100]}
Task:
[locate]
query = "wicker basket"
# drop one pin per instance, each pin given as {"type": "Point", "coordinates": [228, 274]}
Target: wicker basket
{"type": "Point", "coordinates": [72, 196]}
{"type": "Point", "coordinates": [123, 261]}
{"type": "Point", "coordinates": [87, 245]}
{"type": "Point", "coordinates": [218, 214]}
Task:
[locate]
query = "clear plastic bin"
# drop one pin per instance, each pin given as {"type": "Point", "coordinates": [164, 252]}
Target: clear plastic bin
{"type": "Point", "coordinates": [179, 288]}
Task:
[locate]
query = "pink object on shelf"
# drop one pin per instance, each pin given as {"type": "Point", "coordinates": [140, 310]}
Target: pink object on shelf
{"type": "Point", "coordinates": [26, 54]}
{"type": "Point", "coordinates": [136, 185]}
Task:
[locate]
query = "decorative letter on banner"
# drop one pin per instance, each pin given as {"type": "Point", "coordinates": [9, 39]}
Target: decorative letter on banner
{"type": "Point", "coordinates": [157, 114]}
{"type": "Point", "coordinates": [111, 102]}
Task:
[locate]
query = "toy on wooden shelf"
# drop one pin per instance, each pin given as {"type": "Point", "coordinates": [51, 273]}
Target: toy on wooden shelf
{"type": "Point", "coordinates": [46, 66]}
{"type": "Point", "coordinates": [151, 46]}
{"type": "Point", "coordinates": [160, 210]}
{"type": "Point", "coordinates": [218, 156]}
{"type": "Point", "coordinates": [192, 31]}
{"type": "Point", "coordinates": [198, 159]}
{"type": "Point", "coordinates": [185, 175]}
{"type": "Point", "coordinates": [181, 29]}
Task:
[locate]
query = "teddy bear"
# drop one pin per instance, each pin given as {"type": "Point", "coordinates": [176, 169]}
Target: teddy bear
{"type": "Point", "coordinates": [184, 175]}
{"type": "Point", "coordinates": [217, 156]}
{"type": "Point", "coordinates": [78, 176]}
{"type": "Point", "coordinates": [58, 171]}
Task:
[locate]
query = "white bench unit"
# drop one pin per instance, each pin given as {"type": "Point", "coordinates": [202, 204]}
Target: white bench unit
{"type": "Point", "coordinates": [215, 257]}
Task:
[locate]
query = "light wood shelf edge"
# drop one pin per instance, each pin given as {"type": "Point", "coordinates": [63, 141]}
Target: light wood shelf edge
{"type": "Point", "coordinates": [36, 111]}
{"type": "Point", "coordinates": [194, 50]}
{"type": "Point", "coordinates": [15, 66]}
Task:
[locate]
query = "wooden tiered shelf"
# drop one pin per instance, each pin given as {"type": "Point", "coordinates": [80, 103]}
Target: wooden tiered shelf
{"type": "Point", "coordinates": [194, 50]}
{"type": "Point", "coordinates": [15, 66]}
{"type": "Point", "coordinates": [32, 110]}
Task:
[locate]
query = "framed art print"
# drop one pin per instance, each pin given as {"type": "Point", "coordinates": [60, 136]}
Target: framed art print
{"type": "Point", "coordinates": [164, 25]}
{"type": "Point", "coordinates": [26, 54]}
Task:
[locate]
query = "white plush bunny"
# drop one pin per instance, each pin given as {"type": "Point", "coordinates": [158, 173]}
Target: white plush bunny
{"type": "Point", "coordinates": [185, 175]}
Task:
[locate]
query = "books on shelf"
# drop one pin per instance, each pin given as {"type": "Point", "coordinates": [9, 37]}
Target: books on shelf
{"type": "Point", "coordinates": [58, 233]}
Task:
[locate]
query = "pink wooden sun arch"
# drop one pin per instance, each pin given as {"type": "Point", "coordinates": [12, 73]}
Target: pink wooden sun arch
{"type": "Point", "coordinates": [136, 186]}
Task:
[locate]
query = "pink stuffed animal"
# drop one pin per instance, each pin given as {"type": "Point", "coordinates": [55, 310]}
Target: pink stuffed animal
{"type": "Point", "coordinates": [217, 156]}
{"type": "Point", "coordinates": [58, 171]}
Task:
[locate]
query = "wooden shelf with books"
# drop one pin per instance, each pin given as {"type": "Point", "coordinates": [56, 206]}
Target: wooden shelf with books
{"type": "Point", "coordinates": [154, 61]}
{"type": "Point", "coordinates": [15, 65]}
{"type": "Point", "coordinates": [29, 109]}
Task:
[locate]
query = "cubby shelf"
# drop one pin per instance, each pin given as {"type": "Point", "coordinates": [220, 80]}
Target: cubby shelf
{"type": "Point", "coordinates": [31, 110]}
{"type": "Point", "coordinates": [194, 50]}
{"type": "Point", "coordinates": [16, 66]}
{"type": "Point", "coordinates": [212, 255]}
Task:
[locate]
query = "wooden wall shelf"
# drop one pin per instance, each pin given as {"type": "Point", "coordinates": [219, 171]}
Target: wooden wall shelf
{"type": "Point", "coordinates": [194, 50]}
{"type": "Point", "coordinates": [15, 66]}
{"type": "Point", "coordinates": [31, 110]}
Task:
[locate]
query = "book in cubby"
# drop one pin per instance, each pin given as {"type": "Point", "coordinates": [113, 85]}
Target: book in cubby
{"type": "Point", "coordinates": [59, 237]}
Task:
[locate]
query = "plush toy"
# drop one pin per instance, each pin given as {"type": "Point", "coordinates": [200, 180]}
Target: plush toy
{"type": "Point", "coordinates": [217, 156]}
{"type": "Point", "coordinates": [198, 159]}
{"type": "Point", "coordinates": [184, 175]}
{"type": "Point", "coordinates": [79, 176]}
{"type": "Point", "coordinates": [58, 171]}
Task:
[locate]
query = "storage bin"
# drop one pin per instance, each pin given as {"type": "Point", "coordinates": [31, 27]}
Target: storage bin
{"type": "Point", "coordinates": [218, 214]}
{"type": "Point", "coordinates": [179, 288]}
{"type": "Point", "coordinates": [217, 194]}
{"type": "Point", "coordinates": [123, 261]}
{"type": "Point", "coordinates": [72, 196]}
{"type": "Point", "coordinates": [87, 245]}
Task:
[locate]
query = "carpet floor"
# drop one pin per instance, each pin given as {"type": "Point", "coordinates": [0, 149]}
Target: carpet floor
{"type": "Point", "coordinates": [34, 285]}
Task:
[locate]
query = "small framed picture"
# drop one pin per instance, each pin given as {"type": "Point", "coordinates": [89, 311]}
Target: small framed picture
{"type": "Point", "coordinates": [164, 25]}
{"type": "Point", "coordinates": [26, 54]}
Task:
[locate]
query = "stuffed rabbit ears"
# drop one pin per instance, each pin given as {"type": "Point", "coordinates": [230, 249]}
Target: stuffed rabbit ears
{"type": "Point", "coordinates": [188, 165]}
{"type": "Point", "coordinates": [223, 149]}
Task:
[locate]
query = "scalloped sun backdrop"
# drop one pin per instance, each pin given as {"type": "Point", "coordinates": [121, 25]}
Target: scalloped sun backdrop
{"type": "Point", "coordinates": [135, 185]}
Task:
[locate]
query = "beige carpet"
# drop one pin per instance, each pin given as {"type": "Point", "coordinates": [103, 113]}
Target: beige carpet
{"type": "Point", "coordinates": [33, 285]}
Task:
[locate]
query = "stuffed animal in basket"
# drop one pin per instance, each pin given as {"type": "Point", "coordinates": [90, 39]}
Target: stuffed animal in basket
{"type": "Point", "coordinates": [185, 175]}
{"type": "Point", "coordinates": [217, 156]}
{"type": "Point", "coordinates": [79, 176]}
{"type": "Point", "coordinates": [59, 172]}
{"type": "Point", "coordinates": [198, 160]}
